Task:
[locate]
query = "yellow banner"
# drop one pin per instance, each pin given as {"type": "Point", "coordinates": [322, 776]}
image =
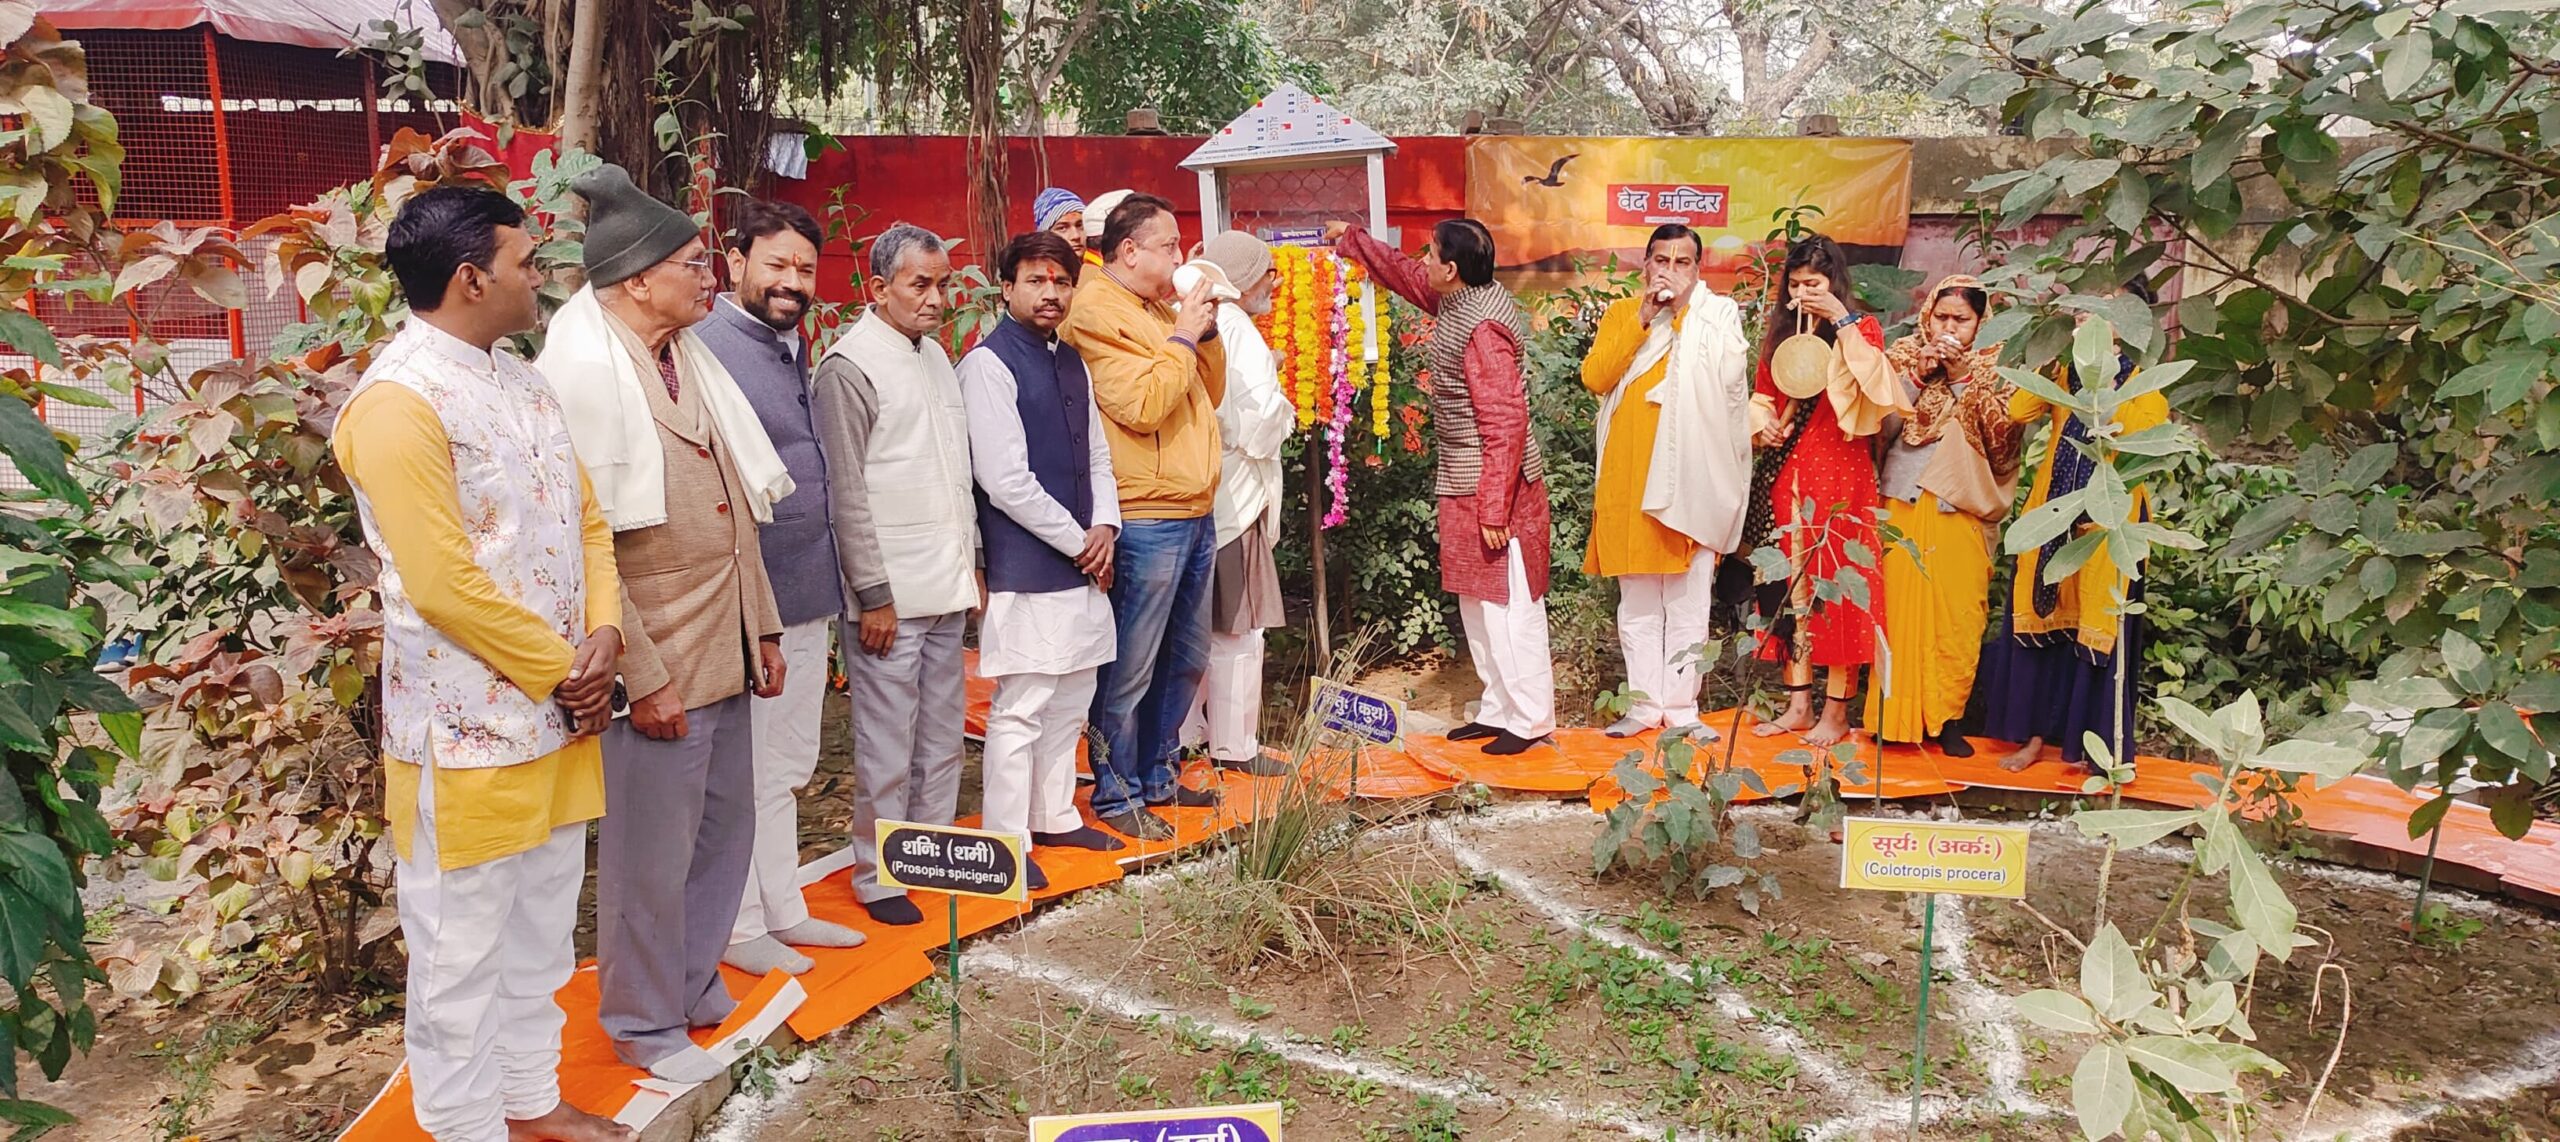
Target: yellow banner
{"type": "Point", "coordinates": [1254, 1122]}
{"type": "Point", "coordinates": [1552, 201]}
{"type": "Point", "coordinates": [1896, 855]}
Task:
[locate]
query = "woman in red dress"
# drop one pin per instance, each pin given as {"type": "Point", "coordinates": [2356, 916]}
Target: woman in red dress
{"type": "Point", "coordinates": [1815, 484]}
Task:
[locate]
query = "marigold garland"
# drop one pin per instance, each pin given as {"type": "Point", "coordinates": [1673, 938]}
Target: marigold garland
{"type": "Point", "coordinates": [1382, 375]}
{"type": "Point", "coordinates": [1308, 327]}
{"type": "Point", "coordinates": [1325, 313]}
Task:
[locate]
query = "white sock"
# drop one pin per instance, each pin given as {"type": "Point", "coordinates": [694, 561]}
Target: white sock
{"type": "Point", "coordinates": [764, 954]}
{"type": "Point", "coordinates": [691, 1065]}
{"type": "Point", "coordinates": [816, 933]}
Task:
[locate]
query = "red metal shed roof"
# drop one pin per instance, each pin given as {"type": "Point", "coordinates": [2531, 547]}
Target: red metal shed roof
{"type": "Point", "coordinates": [331, 24]}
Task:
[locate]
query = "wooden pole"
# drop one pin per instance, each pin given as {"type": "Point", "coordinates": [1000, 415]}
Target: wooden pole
{"type": "Point", "coordinates": [1315, 551]}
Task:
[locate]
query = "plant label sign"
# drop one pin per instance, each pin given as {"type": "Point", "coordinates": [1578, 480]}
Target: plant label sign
{"type": "Point", "coordinates": [948, 858]}
{"type": "Point", "coordinates": [1888, 854]}
{"type": "Point", "coordinates": [1253, 1122]}
{"type": "Point", "coordinates": [1369, 717]}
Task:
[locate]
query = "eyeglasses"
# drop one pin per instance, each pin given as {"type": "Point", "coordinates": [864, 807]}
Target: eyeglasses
{"type": "Point", "coordinates": [699, 266]}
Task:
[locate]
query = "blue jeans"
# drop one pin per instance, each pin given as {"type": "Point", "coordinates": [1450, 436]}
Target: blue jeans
{"type": "Point", "coordinates": [1160, 603]}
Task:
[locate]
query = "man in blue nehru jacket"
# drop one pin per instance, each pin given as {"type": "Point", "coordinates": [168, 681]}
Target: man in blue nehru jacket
{"type": "Point", "coordinates": [1049, 515]}
{"type": "Point", "coordinates": [754, 332]}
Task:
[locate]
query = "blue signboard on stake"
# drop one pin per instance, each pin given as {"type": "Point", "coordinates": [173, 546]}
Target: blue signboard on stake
{"type": "Point", "coordinates": [1363, 715]}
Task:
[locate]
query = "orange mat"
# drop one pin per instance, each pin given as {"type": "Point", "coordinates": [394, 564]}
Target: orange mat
{"type": "Point", "coordinates": [849, 982]}
{"type": "Point", "coordinates": [591, 1078]}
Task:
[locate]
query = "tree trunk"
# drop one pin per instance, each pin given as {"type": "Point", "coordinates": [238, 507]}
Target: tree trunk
{"type": "Point", "coordinates": [982, 60]}
{"type": "Point", "coordinates": [580, 107]}
{"type": "Point", "coordinates": [482, 52]}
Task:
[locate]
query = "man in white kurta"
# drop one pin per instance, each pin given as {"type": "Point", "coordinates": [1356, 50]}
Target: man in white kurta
{"type": "Point", "coordinates": [1253, 422]}
{"type": "Point", "coordinates": [1049, 515]}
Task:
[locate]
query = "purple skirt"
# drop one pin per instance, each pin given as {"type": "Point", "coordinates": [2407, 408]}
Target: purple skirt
{"type": "Point", "coordinates": [2057, 690]}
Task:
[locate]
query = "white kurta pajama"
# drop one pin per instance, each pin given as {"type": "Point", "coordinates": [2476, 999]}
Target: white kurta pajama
{"type": "Point", "coordinates": [489, 946]}
{"type": "Point", "coordinates": [787, 737]}
{"type": "Point", "coordinates": [1044, 647]}
{"type": "Point", "coordinates": [771, 369]}
{"type": "Point", "coordinates": [1253, 423]}
{"type": "Point", "coordinates": [488, 898]}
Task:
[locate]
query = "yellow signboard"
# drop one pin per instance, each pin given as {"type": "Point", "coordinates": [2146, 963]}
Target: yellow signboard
{"type": "Point", "coordinates": [1552, 201]}
{"type": "Point", "coordinates": [1890, 854]}
{"type": "Point", "coordinates": [1254, 1122]}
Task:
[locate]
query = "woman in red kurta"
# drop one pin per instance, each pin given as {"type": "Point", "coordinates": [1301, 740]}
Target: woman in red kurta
{"type": "Point", "coordinates": [1816, 452]}
{"type": "Point", "coordinates": [1490, 477]}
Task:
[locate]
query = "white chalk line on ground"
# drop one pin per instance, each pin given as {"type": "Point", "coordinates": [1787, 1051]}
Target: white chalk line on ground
{"type": "Point", "coordinates": [743, 1116]}
{"type": "Point", "coordinates": [1845, 1087]}
{"type": "Point", "coordinates": [1987, 1017]}
{"type": "Point", "coordinates": [1126, 1004]}
{"type": "Point", "coordinates": [2538, 1064]}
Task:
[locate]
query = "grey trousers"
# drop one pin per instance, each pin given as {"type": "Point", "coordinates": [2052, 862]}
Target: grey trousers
{"type": "Point", "coordinates": [671, 866]}
{"type": "Point", "coordinates": [907, 709]}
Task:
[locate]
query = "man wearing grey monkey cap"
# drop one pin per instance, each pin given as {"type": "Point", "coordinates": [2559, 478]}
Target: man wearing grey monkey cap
{"type": "Point", "coordinates": [684, 473]}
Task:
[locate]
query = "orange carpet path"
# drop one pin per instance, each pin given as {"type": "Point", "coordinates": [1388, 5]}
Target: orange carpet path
{"type": "Point", "coordinates": [849, 982]}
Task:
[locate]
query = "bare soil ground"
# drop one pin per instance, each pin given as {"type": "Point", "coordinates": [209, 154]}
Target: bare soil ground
{"type": "Point", "coordinates": [1509, 996]}
{"type": "Point", "coordinates": [1537, 1003]}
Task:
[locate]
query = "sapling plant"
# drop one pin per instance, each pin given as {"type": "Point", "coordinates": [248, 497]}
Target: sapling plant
{"type": "Point", "coordinates": [2168, 1007]}
{"type": "Point", "coordinates": [1678, 809]}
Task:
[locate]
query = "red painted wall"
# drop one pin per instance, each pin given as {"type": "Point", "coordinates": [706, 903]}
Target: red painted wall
{"type": "Point", "coordinates": [924, 179]}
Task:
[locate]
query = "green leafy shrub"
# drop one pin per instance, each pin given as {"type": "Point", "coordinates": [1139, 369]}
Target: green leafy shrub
{"type": "Point", "coordinates": [260, 789]}
{"type": "Point", "coordinates": [2396, 324]}
{"type": "Point", "coordinates": [64, 159]}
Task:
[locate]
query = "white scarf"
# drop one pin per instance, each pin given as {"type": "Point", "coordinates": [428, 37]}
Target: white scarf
{"type": "Point", "coordinates": [1253, 423]}
{"type": "Point", "coordinates": [1699, 479]}
{"type": "Point", "coordinates": [608, 412]}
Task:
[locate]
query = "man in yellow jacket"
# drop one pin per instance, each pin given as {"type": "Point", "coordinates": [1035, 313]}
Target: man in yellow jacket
{"type": "Point", "coordinates": [1157, 376]}
{"type": "Point", "coordinates": [1675, 467]}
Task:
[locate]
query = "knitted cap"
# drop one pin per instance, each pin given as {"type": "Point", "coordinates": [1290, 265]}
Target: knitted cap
{"type": "Point", "coordinates": [1053, 202]}
{"type": "Point", "coordinates": [1244, 257]}
{"type": "Point", "coordinates": [1098, 212]}
{"type": "Point", "coordinates": [627, 231]}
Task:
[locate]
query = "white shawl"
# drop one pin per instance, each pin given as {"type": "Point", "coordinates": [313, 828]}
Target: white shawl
{"type": "Point", "coordinates": [1253, 424]}
{"type": "Point", "coordinates": [608, 412]}
{"type": "Point", "coordinates": [1699, 479]}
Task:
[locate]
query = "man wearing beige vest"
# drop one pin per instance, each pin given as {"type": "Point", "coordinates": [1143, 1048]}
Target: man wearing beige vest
{"type": "Point", "coordinates": [895, 429]}
{"type": "Point", "coordinates": [684, 472]}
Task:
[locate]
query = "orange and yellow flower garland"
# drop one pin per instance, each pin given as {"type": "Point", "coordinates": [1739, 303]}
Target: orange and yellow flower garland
{"type": "Point", "coordinates": [1382, 378]}
{"type": "Point", "coordinates": [1316, 313]}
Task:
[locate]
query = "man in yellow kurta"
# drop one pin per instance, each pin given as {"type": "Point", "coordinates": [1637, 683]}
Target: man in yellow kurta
{"type": "Point", "coordinates": [1675, 472]}
{"type": "Point", "coordinates": [501, 637]}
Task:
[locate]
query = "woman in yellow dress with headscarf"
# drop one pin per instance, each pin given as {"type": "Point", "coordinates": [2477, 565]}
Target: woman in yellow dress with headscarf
{"type": "Point", "coordinates": [1947, 473]}
{"type": "Point", "coordinates": [2051, 678]}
